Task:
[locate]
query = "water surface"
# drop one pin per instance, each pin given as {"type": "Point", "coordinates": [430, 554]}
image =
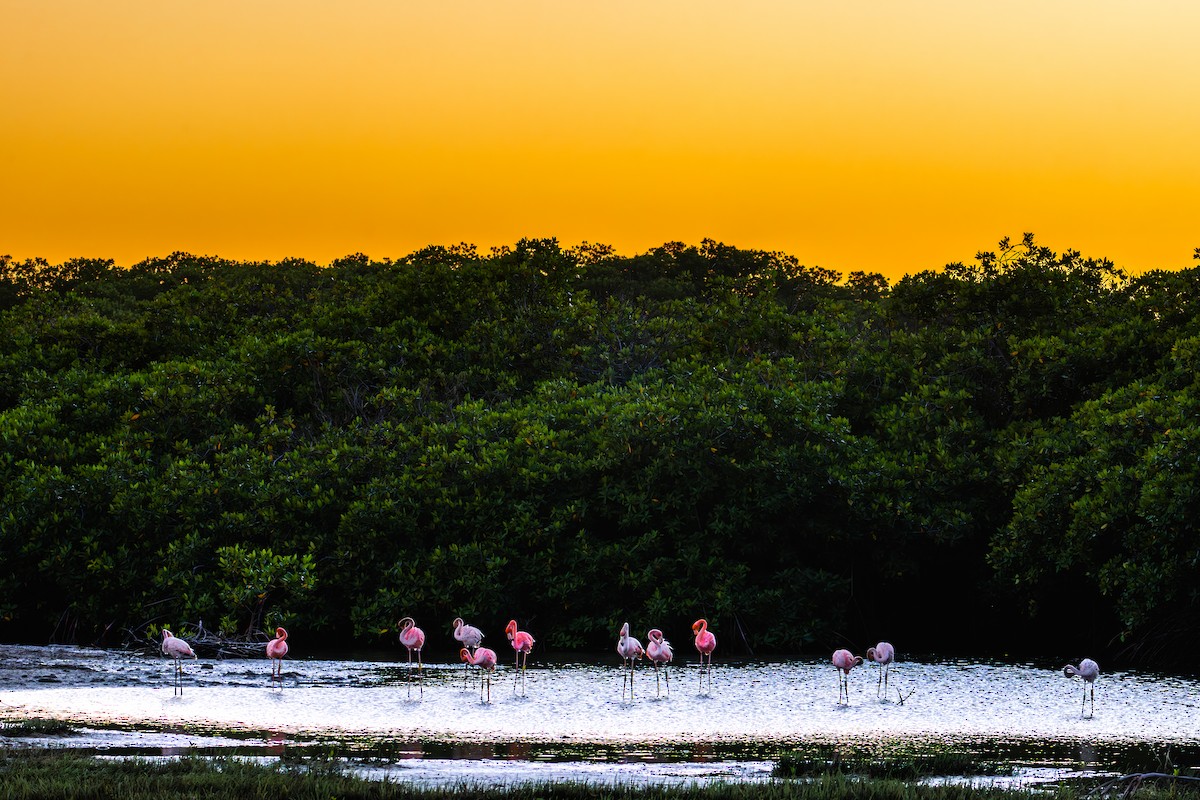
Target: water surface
{"type": "Point", "coordinates": [574, 720]}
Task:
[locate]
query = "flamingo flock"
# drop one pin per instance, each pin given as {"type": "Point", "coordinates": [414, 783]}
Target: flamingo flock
{"type": "Point", "coordinates": [657, 650]}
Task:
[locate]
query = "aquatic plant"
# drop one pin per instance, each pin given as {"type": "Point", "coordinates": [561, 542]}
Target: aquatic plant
{"type": "Point", "coordinates": [48, 776]}
{"type": "Point", "coordinates": [894, 765]}
{"type": "Point", "coordinates": [36, 727]}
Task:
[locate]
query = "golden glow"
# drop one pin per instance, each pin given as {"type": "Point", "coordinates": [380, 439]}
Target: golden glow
{"type": "Point", "coordinates": [880, 136]}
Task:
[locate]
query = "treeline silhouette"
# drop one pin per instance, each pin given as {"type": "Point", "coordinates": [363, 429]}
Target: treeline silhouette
{"type": "Point", "coordinates": [993, 458]}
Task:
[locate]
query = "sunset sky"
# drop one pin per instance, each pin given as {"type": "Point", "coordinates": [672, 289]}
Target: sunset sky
{"type": "Point", "coordinates": [879, 136]}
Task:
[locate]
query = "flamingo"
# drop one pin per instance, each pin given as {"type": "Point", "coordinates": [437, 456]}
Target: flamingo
{"type": "Point", "coordinates": [176, 648]}
{"type": "Point", "coordinates": [485, 659]}
{"type": "Point", "coordinates": [629, 649]}
{"type": "Point", "coordinates": [277, 648]}
{"type": "Point", "coordinates": [659, 651]}
{"type": "Point", "coordinates": [1088, 670]}
{"type": "Point", "coordinates": [522, 643]}
{"type": "Point", "coordinates": [882, 654]}
{"type": "Point", "coordinates": [470, 637]}
{"type": "Point", "coordinates": [413, 638]}
{"type": "Point", "coordinates": [845, 661]}
{"type": "Point", "coordinates": [706, 642]}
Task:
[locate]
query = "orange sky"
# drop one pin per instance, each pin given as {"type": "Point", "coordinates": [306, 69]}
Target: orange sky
{"type": "Point", "coordinates": [857, 135]}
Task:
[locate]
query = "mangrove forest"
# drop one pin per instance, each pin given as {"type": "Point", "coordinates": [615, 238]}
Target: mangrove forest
{"type": "Point", "coordinates": [994, 457]}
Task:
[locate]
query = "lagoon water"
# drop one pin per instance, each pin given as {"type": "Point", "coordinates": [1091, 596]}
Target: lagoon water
{"type": "Point", "coordinates": [573, 720]}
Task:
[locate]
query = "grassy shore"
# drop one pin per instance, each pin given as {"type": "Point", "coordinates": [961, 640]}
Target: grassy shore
{"type": "Point", "coordinates": [45, 775]}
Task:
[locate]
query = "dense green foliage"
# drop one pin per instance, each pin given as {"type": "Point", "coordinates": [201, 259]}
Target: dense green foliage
{"type": "Point", "coordinates": [575, 439]}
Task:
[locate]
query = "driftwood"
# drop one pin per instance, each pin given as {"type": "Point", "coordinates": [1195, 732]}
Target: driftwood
{"type": "Point", "coordinates": [207, 644]}
{"type": "Point", "coordinates": [1126, 785]}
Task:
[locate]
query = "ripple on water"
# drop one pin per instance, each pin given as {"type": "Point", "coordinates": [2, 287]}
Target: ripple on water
{"type": "Point", "coordinates": [575, 713]}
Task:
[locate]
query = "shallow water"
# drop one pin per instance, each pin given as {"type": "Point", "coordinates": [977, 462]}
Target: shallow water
{"type": "Point", "coordinates": [573, 721]}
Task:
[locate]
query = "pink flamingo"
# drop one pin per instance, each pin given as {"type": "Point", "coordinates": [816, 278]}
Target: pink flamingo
{"type": "Point", "coordinates": [629, 649]}
{"type": "Point", "coordinates": [706, 642]}
{"type": "Point", "coordinates": [413, 638]}
{"type": "Point", "coordinates": [468, 636]}
{"type": "Point", "coordinates": [882, 654]}
{"type": "Point", "coordinates": [176, 648]}
{"type": "Point", "coordinates": [845, 661]}
{"type": "Point", "coordinates": [277, 648]}
{"type": "Point", "coordinates": [522, 643]}
{"type": "Point", "coordinates": [485, 659]}
{"type": "Point", "coordinates": [659, 651]}
{"type": "Point", "coordinates": [1088, 670]}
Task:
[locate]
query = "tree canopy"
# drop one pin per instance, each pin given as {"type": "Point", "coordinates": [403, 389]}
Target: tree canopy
{"type": "Point", "coordinates": [1000, 456]}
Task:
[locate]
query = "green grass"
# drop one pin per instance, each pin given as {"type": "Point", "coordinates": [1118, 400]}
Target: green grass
{"type": "Point", "coordinates": [36, 727]}
{"type": "Point", "coordinates": [895, 765]}
{"type": "Point", "coordinates": [49, 776]}
{"type": "Point", "coordinates": [46, 775]}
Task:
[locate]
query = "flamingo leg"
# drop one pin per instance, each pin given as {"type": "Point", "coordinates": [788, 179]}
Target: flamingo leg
{"type": "Point", "coordinates": [524, 661]}
{"type": "Point", "coordinates": [657, 682]}
{"type": "Point", "coordinates": [667, 678]}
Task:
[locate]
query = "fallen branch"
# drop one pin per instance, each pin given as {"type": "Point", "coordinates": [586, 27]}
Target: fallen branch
{"type": "Point", "coordinates": [1132, 782]}
{"type": "Point", "coordinates": [205, 643]}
